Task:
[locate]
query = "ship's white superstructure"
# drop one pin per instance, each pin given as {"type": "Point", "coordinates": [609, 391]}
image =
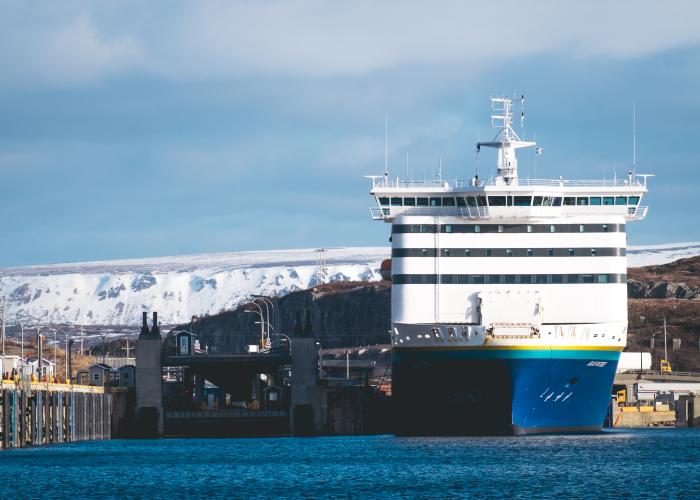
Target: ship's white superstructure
{"type": "Point", "coordinates": [509, 261]}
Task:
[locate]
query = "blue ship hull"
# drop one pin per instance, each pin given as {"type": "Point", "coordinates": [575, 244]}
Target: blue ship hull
{"type": "Point", "coordinates": [501, 390]}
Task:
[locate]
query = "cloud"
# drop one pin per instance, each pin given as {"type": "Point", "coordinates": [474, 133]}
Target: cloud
{"type": "Point", "coordinates": [87, 42]}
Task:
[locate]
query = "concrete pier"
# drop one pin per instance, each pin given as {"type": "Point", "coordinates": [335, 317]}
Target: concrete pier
{"type": "Point", "coordinates": [33, 414]}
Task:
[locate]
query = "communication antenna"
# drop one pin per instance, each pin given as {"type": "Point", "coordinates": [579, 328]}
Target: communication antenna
{"type": "Point", "coordinates": [634, 135]}
{"type": "Point", "coordinates": [522, 113]}
{"type": "Point", "coordinates": [386, 146]}
{"type": "Point", "coordinates": [440, 168]}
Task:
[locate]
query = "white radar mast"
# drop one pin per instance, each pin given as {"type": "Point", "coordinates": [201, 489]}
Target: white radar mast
{"type": "Point", "coordinates": [507, 140]}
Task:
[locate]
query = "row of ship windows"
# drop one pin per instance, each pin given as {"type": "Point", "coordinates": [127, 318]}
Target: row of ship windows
{"type": "Point", "coordinates": [507, 201]}
{"type": "Point", "coordinates": [494, 279]}
{"type": "Point", "coordinates": [508, 228]}
{"type": "Point", "coordinates": [508, 252]}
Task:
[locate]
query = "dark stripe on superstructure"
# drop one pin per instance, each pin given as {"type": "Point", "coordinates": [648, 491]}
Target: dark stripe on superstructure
{"type": "Point", "coordinates": [503, 252]}
{"type": "Point", "coordinates": [508, 279]}
{"type": "Point", "coordinates": [508, 228]}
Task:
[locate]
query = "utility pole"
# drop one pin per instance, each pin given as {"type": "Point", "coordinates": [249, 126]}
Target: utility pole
{"type": "Point", "coordinates": [4, 311]}
{"type": "Point", "coordinates": [665, 349]}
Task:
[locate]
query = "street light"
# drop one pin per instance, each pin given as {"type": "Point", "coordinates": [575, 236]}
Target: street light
{"type": "Point", "coordinates": [267, 314]}
{"type": "Point", "coordinates": [275, 310]}
{"type": "Point", "coordinates": [262, 328]}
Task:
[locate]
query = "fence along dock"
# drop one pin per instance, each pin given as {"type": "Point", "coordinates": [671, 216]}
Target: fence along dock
{"type": "Point", "coordinates": [33, 414]}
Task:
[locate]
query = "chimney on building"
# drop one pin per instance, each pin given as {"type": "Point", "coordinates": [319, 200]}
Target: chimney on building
{"type": "Point", "coordinates": [144, 334]}
{"type": "Point", "coordinates": [155, 329]}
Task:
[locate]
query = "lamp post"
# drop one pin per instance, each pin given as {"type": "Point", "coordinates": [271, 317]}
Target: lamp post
{"type": "Point", "coordinates": [275, 310]}
{"type": "Point", "coordinates": [262, 323]}
{"type": "Point", "coordinates": [267, 315]}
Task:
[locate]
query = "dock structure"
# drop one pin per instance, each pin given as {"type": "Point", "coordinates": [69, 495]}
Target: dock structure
{"type": "Point", "coordinates": [33, 414]}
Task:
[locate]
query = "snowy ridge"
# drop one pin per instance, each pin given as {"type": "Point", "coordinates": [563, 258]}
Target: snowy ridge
{"type": "Point", "coordinates": [116, 292]}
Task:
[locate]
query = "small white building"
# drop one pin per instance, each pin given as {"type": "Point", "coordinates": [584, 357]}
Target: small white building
{"type": "Point", "coordinates": [634, 361]}
{"type": "Point", "coordinates": [48, 368]}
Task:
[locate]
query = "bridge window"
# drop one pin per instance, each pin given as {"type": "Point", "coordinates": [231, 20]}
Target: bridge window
{"type": "Point", "coordinates": [557, 201]}
{"type": "Point", "coordinates": [497, 201]}
{"type": "Point", "coordinates": [557, 278]}
{"type": "Point", "coordinates": [435, 202]}
{"type": "Point", "coordinates": [422, 202]}
{"type": "Point", "coordinates": [595, 200]}
{"type": "Point", "coordinates": [569, 201]}
{"type": "Point", "coordinates": [396, 202]}
{"type": "Point", "coordinates": [587, 278]}
{"type": "Point", "coordinates": [582, 200]}
{"type": "Point", "coordinates": [633, 200]}
{"type": "Point", "coordinates": [481, 201]}
{"type": "Point", "coordinates": [462, 279]}
{"type": "Point", "coordinates": [522, 201]}
{"type": "Point", "coordinates": [510, 278]}
{"type": "Point", "coordinates": [477, 279]}
{"type": "Point", "coordinates": [537, 201]}
{"type": "Point", "coordinates": [494, 278]}
{"type": "Point", "coordinates": [525, 278]}
{"type": "Point", "coordinates": [446, 279]}
{"type": "Point", "coordinates": [409, 202]}
{"type": "Point", "coordinates": [471, 201]}
{"type": "Point", "coordinates": [572, 278]}
{"type": "Point", "coordinates": [448, 202]}
{"type": "Point", "coordinates": [608, 200]}
{"type": "Point", "coordinates": [621, 200]}
{"type": "Point", "coordinates": [461, 202]}
{"type": "Point", "coordinates": [541, 279]}
{"type": "Point", "coordinates": [383, 201]}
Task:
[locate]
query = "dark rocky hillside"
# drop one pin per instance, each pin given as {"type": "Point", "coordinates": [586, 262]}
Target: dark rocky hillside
{"type": "Point", "coordinates": [348, 314]}
{"type": "Point", "coordinates": [338, 314]}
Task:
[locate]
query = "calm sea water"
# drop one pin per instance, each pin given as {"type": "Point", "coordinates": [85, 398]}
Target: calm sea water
{"type": "Point", "coordinates": [639, 463]}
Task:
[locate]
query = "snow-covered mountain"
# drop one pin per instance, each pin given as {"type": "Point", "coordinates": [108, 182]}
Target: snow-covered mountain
{"type": "Point", "coordinates": [116, 292]}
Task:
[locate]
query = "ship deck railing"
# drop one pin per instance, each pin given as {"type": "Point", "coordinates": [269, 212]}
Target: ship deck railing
{"type": "Point", "coordinates": [378, 182]}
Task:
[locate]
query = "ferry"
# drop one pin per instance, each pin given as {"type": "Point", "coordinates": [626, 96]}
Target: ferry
{"type": "Point", "coordinates": [509, 295]}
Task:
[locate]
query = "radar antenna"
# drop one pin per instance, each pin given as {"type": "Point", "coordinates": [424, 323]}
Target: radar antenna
{"type": "Point", "coordinates": [506, 140]}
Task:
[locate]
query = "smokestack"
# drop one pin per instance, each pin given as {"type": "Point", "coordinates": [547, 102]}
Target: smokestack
{"type": "Point", "coordinates": [155, 330]}
{"type": "Point", "coordinates": [144, 327]}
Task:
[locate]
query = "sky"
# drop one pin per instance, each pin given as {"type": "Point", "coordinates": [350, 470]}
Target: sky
{"type": "Point", "coordinates": [139, 129]}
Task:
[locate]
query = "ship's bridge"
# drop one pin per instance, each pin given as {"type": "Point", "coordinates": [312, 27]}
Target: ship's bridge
{"type": "Point", "coordinates": [529, 198]}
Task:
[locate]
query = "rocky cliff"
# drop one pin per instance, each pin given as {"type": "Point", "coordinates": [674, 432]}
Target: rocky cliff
{"type": "Point", "coordinates": [338, 314]}
{"type": "Point", "coordinates": [677, 280]}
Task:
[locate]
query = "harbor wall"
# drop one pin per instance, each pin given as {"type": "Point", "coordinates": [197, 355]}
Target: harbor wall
{"type": "Point", "coordinates": [34, 414]}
